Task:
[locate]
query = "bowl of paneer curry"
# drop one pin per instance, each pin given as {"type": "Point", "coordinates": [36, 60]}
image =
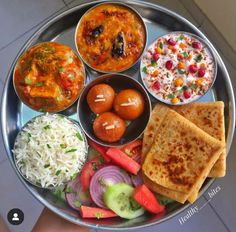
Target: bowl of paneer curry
{"type": "Point", "coordinates": [111, 37]}
{"type": "Point", "coordinates": [49, 77]}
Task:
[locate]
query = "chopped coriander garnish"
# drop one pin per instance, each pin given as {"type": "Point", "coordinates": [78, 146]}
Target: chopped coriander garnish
{"type": "Point", "coordinates": [180, 38]}
{"type": "Point", "coordinates": [39, 84]}
{"type": "Point", "coordinates": [62, 146]}
{"type": "Point", "coordinates": [29, 136]}
{"type": "Point", "coordinates": [127, 152]}
{"type": "Point", "coordinates": [181, 71]}
{"type": "Point", "coordinates": [38, 154]}
{"type": "Point", "coordinates": [161, 45]}
{"type": "Point", "coordinates": [77, 203]}
{"type": "Point", "coordinates": [199, 58]}
{"type": "Point", "coordinates": [46, 127]}
{"type": "Point", "coordinates": [153, 63]}
{"type": "Point", "coordinates": [71, 76]}
{"type": "Point", "coordinates": [78, 135]}
{"type": "Point", "coordinates": [193, 86]}
{"type": "Point", "coordinates": [69, 190]}
{"type": "Point", "coordinates": [46, 165]}
{"type": "Point", "coordinates": [71, 150]}
{"type": "Point", "coordinates": [185, 54]}
{"type": "Point", "coordinates": [98, 215]}
{"type": "Point", "coordinates": [145, 69]}
{"type": "Point", "coordinates": [23, 162]}
{"type": "Point", "coordinates": [74, 176]}
{"type": "Point", "coordinates": [70, 60]}
{"type": "Point", "coordinates": [48, 146]}
{"type": "Point", "coordinates": [167, 75]}
{"type": "Point", "coordinates": [170, 95]}
{"type": "Point", "coordinates": [58, 172]}
{"type": "Point", "coordinates": [61, 69]}
{"type": "Point", "coordinates": [27, 81]}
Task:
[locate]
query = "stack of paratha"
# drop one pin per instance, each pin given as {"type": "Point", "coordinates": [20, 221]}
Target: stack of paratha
{"type": "Point", "coordinates": [181, 147]}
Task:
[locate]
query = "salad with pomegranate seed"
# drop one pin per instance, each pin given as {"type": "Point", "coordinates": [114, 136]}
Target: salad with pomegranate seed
{"type": "Point", "coordinates": [110, 185]}
{"type": "Point", "coordinates": [178, 68]}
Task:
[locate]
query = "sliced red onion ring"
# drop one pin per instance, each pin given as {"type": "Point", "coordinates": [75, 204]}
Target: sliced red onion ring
{"type": "Point", "coordinates": [75, 195]}
{"type": "Point", "coordinates": [137, 179]}
{"type": "Point", "coordinates": [108, 175]}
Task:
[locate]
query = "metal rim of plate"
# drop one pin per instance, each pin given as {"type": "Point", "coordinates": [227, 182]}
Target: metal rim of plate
{"type": "Point", "coordinates": [10, 125]}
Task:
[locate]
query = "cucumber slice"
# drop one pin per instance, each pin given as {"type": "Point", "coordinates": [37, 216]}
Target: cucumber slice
{"type": "Point", "coordinates": [119, 198]}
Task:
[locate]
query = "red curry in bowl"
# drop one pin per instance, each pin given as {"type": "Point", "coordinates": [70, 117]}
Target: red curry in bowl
{"type": "Point", "coordinates": [49, 77]}
{"type": "Point", "coordinates": [110, 37]}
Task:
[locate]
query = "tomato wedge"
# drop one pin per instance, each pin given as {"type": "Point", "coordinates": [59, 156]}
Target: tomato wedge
{"type": "Point", "coordinates": [94, 212]}
{"type": "Point", "coordinates": [122, 160]}
{"type": "Point", "coordinates": [100, 149]}
{"type": "Point", "coordinates": [89, 169]}
{"type": "Point", "coordinates": [147, 199]}
{"type": "Point", "coordinates": [134, 150]}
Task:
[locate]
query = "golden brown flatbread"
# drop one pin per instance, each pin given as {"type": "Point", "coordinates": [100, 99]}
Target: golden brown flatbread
{"type": "Point", "coordinates": [158, 114]}
{"type": "Point", "coordinates": [175, 195]}
{"type": "Point", "coordinates": [182, 154]}
{"type": "Point", "coordinates": [210, 118]}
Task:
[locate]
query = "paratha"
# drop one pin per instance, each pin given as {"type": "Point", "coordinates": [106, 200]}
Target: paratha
{"type": "Point", "coordinates": [182, 154]}
{"type": "Point", "coordinates": [210, 118]}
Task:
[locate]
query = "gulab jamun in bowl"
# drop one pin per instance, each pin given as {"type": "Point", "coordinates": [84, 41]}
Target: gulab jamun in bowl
{"type": "Point", "coordinates": [114, 109]}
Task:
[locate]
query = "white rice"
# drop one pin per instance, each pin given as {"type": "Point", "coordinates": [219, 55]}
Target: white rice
{"type": "Point", "coordinates": [50, 150]}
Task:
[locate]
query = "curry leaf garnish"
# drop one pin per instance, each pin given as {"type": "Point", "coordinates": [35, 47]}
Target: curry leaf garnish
{"type": "Point", "coordinates": [46, 165]}
{"type": "Point", "coordinates": [29, 136]}
{"type": "Point", "coordinates": [62, 146]}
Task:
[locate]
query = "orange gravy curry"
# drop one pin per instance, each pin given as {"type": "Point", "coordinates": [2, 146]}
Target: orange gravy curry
{"type": "Point", "coordinates": [110, 37]}
{"type": "Point", "coordinates": [49, 77]}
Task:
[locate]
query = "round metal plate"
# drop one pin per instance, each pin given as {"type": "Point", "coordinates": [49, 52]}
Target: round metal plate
{"type": "Point", "coordinates": [61, 28]}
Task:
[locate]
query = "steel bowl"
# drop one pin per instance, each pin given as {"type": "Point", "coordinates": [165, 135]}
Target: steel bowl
{"type": "Point", "coordinates": [209, 48]}
{"type": "Point", "coordinates": [15, 88]}
{"type": "Point", "coordinates": [19, 134]}
{"type": "Point", "coordinates": [118, 82]}
{"type": "Point", "coordinates": [131, 9]}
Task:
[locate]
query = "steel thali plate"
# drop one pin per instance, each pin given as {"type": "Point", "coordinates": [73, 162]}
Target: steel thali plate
{"type": "Point", "coordinates": [61, 28]}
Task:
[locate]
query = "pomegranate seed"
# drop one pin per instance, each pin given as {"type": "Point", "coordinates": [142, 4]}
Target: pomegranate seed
{"type": "Point", "coordinates": [171, 42]}
{"type": "Point", "coordinates": [169, 64]}
{"type": "Point", "coordinates": [156, 85]}
{"type": "Point", "coordinates": [155, 56]}
{"type": "Point", "coordinates": [193, 68]}
{"type": "Point", "coordinates": [187, 94]}
{"type": "Point", "coordinates": [196, 45]}
{"type": "Point", "coordinates": [201, 72]}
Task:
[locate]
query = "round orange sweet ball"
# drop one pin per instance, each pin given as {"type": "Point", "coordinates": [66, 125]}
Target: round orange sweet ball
{"type": "Point", "coordinates": [109, 127]}
{"type": "Point", "coordinates": [129, 104]}
{"type": "Point", "coordinates": [100, 98]}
